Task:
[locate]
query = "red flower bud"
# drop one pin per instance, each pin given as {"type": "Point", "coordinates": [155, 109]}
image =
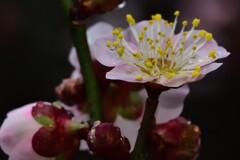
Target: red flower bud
{"type": "Point", "coordinates": [59, 134]}
{"type": "Point", "coordinates": [104, 139]}
{"type": "Point", "coordinates": [176, 139]}
{"type": "Point", "coordinates": [71, 91]}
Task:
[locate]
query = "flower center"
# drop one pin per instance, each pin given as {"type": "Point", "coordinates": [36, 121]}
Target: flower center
{"type": "Point", "coordinates": [159, 52]}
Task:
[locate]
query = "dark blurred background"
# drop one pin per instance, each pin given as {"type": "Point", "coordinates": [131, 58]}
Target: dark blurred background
{"type": "Point", "coordinates": [34, 47]}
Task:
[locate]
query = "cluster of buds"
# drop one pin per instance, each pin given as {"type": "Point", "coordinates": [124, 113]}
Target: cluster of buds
{"type": "Point", "coordinates": [85, 8]}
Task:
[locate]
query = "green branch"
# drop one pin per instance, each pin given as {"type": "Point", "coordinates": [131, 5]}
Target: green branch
{"type": "Point", "coordinates": [79, 39]}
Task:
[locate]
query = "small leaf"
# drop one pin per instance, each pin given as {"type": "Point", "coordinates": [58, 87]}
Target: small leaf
{"type": "Point", "coordinates": [43, 120]}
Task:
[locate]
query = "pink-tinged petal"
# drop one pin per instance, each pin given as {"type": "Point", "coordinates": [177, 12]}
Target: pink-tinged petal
{"type": "Point", "coordinates": [98, 30]}
{"type": "Point", "coordinates": [76, 74]}
{"type": "Point", "coordinates": [179, 79]}
{"type": "Point", "coordinates": [203, 53]}
{"type": "Point", "coordinates": [14, 127]}
{"type": "Point", "coordinates": [209, 68]}
{"type": "Point", "coordinates": [73, 59]}
{"type": "Point", "coordinates": [170, 103]}
{"type": "Point", "coordinates": [93, 33]}
{"type": "Point", "coordinates": [128, 128]}
{"type": "Point", "coordinates": [127, 73]}
{"type": "Point", "coordinates": [24, 151]}
{"type": "Point", "coordinates": [104, 55]}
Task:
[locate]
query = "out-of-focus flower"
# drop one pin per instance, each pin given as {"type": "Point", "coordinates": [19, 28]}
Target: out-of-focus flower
{"type": "Point", "coordinates": [125, 105]}
{"type": "Point", "coordinates": [176, 139]}
{"type": "Point", "coordinates": [105, 139]}
{"type": "Point", "coordinates": [150, 51]}
{"type": "Point", "coordinates": [40, 131]}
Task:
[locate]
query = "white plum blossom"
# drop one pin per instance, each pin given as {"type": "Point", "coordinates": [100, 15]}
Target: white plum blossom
{"type": "Point", "coordinates": [150, 51]}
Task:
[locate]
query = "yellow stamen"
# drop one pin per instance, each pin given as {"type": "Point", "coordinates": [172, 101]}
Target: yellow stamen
{"type": "Point", "coordinates": [209, 36]}
{"type": "Point", "coordinates": [153, 47]}
{"type": "Point", "coordinates": [130, 19]}
{"type": "Point", "coordinates": [120, 36]}
{"type": "Point", "coordinates": [136, 55]}
{"type": "Point", "coordinates": [184, 33]}
{"type": "Point", "coordinates": [194, 73]}
{"type": "Point", "coordinates": [140, 37]}
{"type": "Point", "coordinates": [176, 13]}
{"type": "Point", "coordinates": [182, 72]}
{"type": "Point", "coordinates": [184, 23]}
{"type": "Point", "coordinates": [198, 68]}
{"type": "Point", "coordinates": [202, 33]}
{"type": "Point", "coordinates": [108, 44]}
{"type": "Point", "coordinates": [212, 54]}
{"type": "Point", "coordinates": [120, 51]}
{"type": "Point", "coordinates": [181, 49]}
{"type": "Point", "coordinates": [195, 36]}
{"type": "Point", "coordinates": [157, 17]}
{"type": "Point", "coordinates": [116, 32]}
{"type": "Point", "coordinates": [195, 22]}
{"type": "Point", "coordinates": [115, 44]}
{"type": "Point", "coordinates": [149, 64]}
{"type": "Point", "coordinates": [138, 77]}
{"type": "Point", "coordinates": [171, 75]}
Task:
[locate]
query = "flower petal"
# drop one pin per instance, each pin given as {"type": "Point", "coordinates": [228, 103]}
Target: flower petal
{"type": "Point", "coordinates": [209, 68]}
{"type": "Point", "coordinates": [171, 104]}
{"type": "Point", "coordinates": [14, 127]}
{"type": "Point", "coordinates": [128, 128]}
{"type": "Point", "coordinates": [98, 30]}
{"type": "Point", "coordinates": [73, 59]}
{"type": "Point", "coordinates": [76, 74]}
{"type": "Point", "coordinates": [179, 79]}
{"type": "Point", "coordinates": [104, 55]}
{"type": "Point", "coordinates": [93, 33]}
{"type": "Point", "coordinates": [127, 73]}
{"type": "Point", "coordinates": [24, 151]}
{"type": "Point", "coordinates": [203, 53]}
